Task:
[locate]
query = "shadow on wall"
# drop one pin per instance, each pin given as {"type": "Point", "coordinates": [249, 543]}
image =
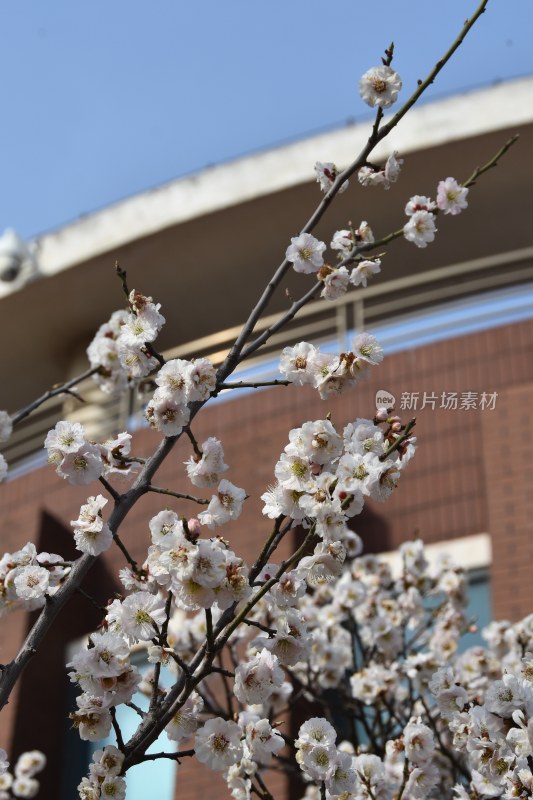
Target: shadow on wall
{"type": "Point", "coordinates": [373, 529]}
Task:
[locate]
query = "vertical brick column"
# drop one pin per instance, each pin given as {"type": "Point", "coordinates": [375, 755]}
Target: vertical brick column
{"type": "Point", "coordinates": [507, 447]}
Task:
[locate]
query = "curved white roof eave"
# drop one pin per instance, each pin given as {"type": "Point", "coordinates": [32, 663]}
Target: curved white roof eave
{"type": "Point", "coordinates": [462, 116]}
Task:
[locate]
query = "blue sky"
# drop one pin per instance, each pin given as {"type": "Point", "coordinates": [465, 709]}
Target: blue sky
{"type": "Point", "coordinates": [105, 99]}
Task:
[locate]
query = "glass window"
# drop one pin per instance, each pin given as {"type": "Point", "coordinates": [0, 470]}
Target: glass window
{"type": "Point", "coordinates": [142, 778]}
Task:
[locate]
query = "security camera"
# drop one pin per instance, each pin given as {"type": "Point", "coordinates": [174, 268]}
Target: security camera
{"type": "Point", "coordinates": [16, 258]}
{"type": "Point", "coordinates": [10, 267]}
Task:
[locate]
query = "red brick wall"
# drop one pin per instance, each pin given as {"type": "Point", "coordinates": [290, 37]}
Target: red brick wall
{"type": "Point", "coordinates": [469, 475]}
{"type": "Point", "coordinates": [508, 449]}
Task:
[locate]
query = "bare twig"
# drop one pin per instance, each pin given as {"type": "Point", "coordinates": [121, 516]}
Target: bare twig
{"type": "Point", "coordinates": [64, 388]}
{"type": "Point", "coordinates": [179, 495]}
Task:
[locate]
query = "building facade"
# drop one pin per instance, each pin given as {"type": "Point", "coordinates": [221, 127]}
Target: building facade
{"type": "Point", "coordinates": [456, 322]}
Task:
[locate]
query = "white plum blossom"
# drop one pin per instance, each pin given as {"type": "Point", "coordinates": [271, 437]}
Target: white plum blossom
{"type": "Point", "coordinates": [296, 363]}
{"type": "Point", "coordinates": [218, 743]}
{"type": "Point", "coordinates": [31, 582]}
{"type": "Point", "coordinates": [174, 380]}
{"type": "Point", "coordinates": [91, 533]}
{"type": "Point", "coordinates": [343, 241]}
{"type": "Point", "coordinates": [318, 440]}
{"type": "Point", "coordinates": [205, 471]}
{"type": "Point", "coordinates": [419, 203]}
{"type": "Point", "coordinates": [336, 282]}
{"type": "Point", "coordinates": [305, 253]}
{"type": "Point", "coordinates": [380, 86]}
{"type": "Point", "coordinates": [135, 361]}
{"type": "Point", "coordinates": [326, 175]}
{"type": "Point", "coordinates": [119, 349]}
{"type": "Point", "coordinates": [363, 271]}
{"type": "Point", "coordinates": [66, 437]}
{"type": "Point", "coordinates": [262, 740]}
{"type": "Point", "coordinates": [141, 613]}
{"type": "Point", "coordinates": [83, 466]}
{"type": "Point", "coordinates": [167, 415]}
{"type": "Point", "coordinates": [255, 680]}
{"type": "Point", "coordinates": [420, 229]}
{"type": "Point", "coordinates": [142, 324]}
{"type": "Point", "coordinates": [373, 176]}
{"type": "Point", "coordinates": [25, 787]}
{"type": "Point", "coordinates": [185, 721]}
{"type": "Point", "coordinates": [93, 718]}
{"type": "Point", "coordinates": [316, 731]}
{"type": "Point", "coordinates": [113, 787]}
{"type": "Point", "coordinates": [166, 529]}
{"type": "Point", "coordinates": [419, 742]}
{"type": "Point", "coordinates": [223, 506]}
{"type": "Point", "coordinates": [202, 378]}
{"type": "Point", "coordinates": [30, 764]}
{"type": "Point", "coordinates": [451, 196]}
{"type": "Point", "coordinates": [115, 452]}
{"type": "Point", "coordinates": [366, 347]}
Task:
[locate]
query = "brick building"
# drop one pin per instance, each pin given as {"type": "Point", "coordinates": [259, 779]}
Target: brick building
{"type": "Point", "coordinates": [455, 320]}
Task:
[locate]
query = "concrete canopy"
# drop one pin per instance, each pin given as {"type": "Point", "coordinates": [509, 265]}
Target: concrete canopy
{"type": "Point", "coordinates": [205, 245]}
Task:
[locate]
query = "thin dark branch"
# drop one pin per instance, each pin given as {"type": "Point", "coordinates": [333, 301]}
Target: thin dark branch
{"type": "Point", "coordinates": [91, 600]}
{"type": "Point", "coordinates": [116, 728]}
{"type": "Point", "coordinates": [180, 495]}
{"type": "Point", "coordinates": [172, 756]}
{"type": "Point", "coordinates": [187, 430]}
{"type": "Point", "coordinates": [257, 385]}
{"type": "Point", "coordinates": [493, 161]}
{"type": "Point", "coordinates": [256, 624]}
{"type": "Point", "coordinates": [54, 392]}
{"type": "Point", "coordinates": [209, 631]}
{"type": "Point", "coordinates": [107, 486]}
{"type": "Point", "coordinates": [136, 708]}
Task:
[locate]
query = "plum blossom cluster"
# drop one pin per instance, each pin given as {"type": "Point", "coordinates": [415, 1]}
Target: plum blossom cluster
{"type": "Point", "coordinates": [451, 723]}
{"type": "Point", "coordinates": [346, 240]}
{"type": "Point", "coordinates": [325, 477]}
{"type": "Point", "coordinates": [198, 572]}
{"type": "Point", "coordinates": [337, 280]}
{"type": "Point", "coordinates": [104, 779]}
{"type": "Point", "coordinates": [371, 175]}
{"type": "Point", "coordinates": [204, 469]}
{"type": "Point", "coordinates": [121, 349]}
{"type": "Point", "coordinates": [306, 255]}
{"type": "Point", "coordinates": [345, 774]}
{"type": "Point", "coordinates": [91, 534]}
{"type": "Point", "coordinates": [80, 461]}
{"type": "Point", "coordinates": [27, 577]}
{"type": "Point", "coordinates": [421, 210]}
{"type": "Point", "coordinates": [105, 675]}
{"type": "Point", "coordinates": [376, 640]}
{"type": "Point", "coordinates": [485, 700]}
{"type": "Point", "coordinates": [239, 749]}
{"type": "Point", "coordinates": [22, 781]}
{"type": "Point", "coordinates": [179, 382]}
{"type": "Point", "coordinates": [330, 374]}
